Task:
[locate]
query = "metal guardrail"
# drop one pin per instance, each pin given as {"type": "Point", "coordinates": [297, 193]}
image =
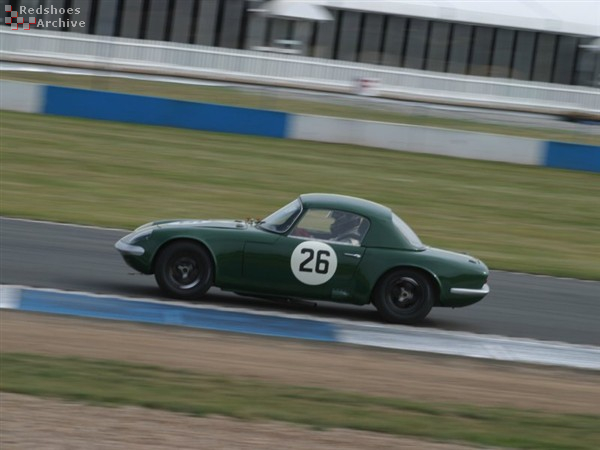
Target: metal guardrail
{"type": "Point", "coordinates": [246, 66]}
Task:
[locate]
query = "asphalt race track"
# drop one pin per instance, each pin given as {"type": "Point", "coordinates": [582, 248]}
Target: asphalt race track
{"type": "Point", "coordinates": [76, 258]}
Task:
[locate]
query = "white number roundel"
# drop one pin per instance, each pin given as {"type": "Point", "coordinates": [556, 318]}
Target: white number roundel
{"type": "Point", "coordinates": [313, 262]}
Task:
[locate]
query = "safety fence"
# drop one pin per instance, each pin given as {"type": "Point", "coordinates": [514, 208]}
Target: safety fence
{"type": "Point", "coordinates": [169, 58]}
{"type": "Point", "coordinates": [99, 105]}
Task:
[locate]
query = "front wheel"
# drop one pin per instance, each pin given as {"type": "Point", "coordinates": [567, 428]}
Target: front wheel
{"type": "Point", "coordinates": [184, 270]}
{"type": "Point", "coordinates": [404, 296]}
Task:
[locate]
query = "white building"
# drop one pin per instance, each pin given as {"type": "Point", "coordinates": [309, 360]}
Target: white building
{"type": "Point", "coordinates": [549, 41]}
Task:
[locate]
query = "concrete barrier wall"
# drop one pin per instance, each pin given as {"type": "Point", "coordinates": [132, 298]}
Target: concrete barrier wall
{"type": "Point", "coordinates": [439, 141]}
{"type": "Point", "coordinates": [26, 97]}
{"type": "Point", "coordinates": [21, 97]}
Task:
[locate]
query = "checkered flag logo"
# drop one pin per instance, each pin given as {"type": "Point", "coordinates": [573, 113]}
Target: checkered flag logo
{"type": "Point", "coordinates": [14, 20]}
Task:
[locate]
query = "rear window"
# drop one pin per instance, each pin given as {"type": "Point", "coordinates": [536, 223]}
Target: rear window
{"type": "Point", "coordinates": [407, 231]}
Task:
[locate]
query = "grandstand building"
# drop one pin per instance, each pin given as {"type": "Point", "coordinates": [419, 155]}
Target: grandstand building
{"type": "Point", "coordinates": [525, 40]}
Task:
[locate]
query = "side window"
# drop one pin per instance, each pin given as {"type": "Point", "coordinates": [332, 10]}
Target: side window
{"type": "Point", "coordinates": [332, 225]}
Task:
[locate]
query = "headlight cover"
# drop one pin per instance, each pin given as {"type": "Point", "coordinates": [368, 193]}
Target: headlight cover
{"type": "Point", "coordinates": [142, 227]}
{"type": "Point", "coordinates": [137, 236]}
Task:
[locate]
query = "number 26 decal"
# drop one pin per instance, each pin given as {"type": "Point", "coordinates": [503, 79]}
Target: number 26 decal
{"type": "Point", "coordinates": [313, 262]}
{"type": "Point", "coordinates": [321, 264]}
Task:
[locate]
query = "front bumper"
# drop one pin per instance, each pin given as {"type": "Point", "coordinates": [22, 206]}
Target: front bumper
{"type": "Point", "coordinates": [484, 290]}
{"type": "Point", "coordinates": [128, 249]}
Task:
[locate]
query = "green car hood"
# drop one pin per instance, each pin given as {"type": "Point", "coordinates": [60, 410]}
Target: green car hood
{"type": "Point", "coordinates": [195, 223]}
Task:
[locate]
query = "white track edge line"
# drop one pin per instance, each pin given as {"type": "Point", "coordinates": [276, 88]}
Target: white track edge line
{"type": "Point", "coordinates": [64, 224]}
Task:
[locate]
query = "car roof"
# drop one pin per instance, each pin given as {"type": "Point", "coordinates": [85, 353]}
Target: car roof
{"type": "Point", "coordinates": [382, 232]}
{"type": "Point", "coordinates": [345, 203]}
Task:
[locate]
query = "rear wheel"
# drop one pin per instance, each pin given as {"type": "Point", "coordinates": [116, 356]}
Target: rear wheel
{"type": "Point", "coordinates": [404, 296]}
{"type": "Point", "coordinates": [184, 270]}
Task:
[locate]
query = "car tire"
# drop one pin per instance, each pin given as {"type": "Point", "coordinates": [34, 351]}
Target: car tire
{"type": "Point", "coordinates": [404, 296]}
{"type": "Point", "coordinates": [184, 270]}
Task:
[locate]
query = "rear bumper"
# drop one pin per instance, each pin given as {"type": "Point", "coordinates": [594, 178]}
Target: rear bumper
{"type": "Point", "coordinates": [484, 290]}
{"type": "Point", "coordinates": [458, 297]}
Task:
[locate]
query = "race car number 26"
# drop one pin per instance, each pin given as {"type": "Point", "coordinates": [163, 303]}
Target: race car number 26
{"type": "Point", "coordinates": [313, 262]}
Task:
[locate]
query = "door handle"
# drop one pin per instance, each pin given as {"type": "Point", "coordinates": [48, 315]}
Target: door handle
{"type": "Point", "coordinates": [354, 255]}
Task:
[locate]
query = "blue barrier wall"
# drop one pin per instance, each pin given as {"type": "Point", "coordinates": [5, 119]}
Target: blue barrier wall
{"type": "Point", "coordinates": [28, 97]}
{"type": "Point", "coordinates": [164, 112]}
{"type": "Point", "coordinates": [563, 155]}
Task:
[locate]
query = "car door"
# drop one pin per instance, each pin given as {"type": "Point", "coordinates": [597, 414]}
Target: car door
{"type": "Point", "coordinates": [307, 262]}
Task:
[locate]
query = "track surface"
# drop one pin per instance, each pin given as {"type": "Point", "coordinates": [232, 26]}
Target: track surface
{"type": "Point", "coordinates": [76, 258]}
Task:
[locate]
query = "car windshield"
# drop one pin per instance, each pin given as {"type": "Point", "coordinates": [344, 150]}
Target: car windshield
{"type": "Point", "coordinates": [407, 231]}
{"type": "Point", "coordinates": [281, 220]}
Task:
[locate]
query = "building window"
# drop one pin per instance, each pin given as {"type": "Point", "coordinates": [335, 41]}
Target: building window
{"type": "Point", "coordinates": [105, 17]}
{"type": "Point", "coordinates": [181, 24]}
{"type": "Point", "coordinates": [157, 20]}
{"type": "Point", "coordinates": [543, 60]}
{"type": "Point", "coordinates": [131, 19]}
{"type": "Point", "coordinates": [277, 31]}
{"type": "Point", "coordinates": [206, 25]}
{"type": "Point", "coordinates": [503, 51]}
{"type": "Point", "coordinates": [84, 15]}
{"type": "Point", "coordinates": [371, 38]}
{"type": "Point", "coordinates": [523, 56]}
{"type": "Point", "coordinates": [438, 46]}
{"type": "Point", "coordinates": [481, 53]}
{"type": "Point", "coordinates": [231, 23]}
{"type": "Point", "coordinates": [416, 44]}
{"type": "Point", "coordinates": [588, 65]}
{"type": "Point", "coordinates": [565, 55]}
{"type": "Point", "coordinates": [460, 47]}
{"type": "Point", "coordinates": [394, 41]}
{"type": "Point", "coordinates": [256, 30]}
{"type": "Point", "coordinates": [325, 36]}
{"type": "Point", "coordinates": [304, 35]}
{"type": "Point", "coordinates": [348, 36]}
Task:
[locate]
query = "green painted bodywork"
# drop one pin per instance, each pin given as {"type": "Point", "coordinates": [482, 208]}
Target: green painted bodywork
{"type": "Point", "coordinates": [248, 259]}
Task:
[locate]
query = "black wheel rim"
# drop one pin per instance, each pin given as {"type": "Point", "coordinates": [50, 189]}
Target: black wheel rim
{"type": "Point", "coordinates": [185, 272]}
{"type": "Point", "coordinates": [404, 293]}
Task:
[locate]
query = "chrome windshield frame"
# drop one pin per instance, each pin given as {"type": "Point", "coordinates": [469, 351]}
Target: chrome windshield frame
{"type": "Point", "coordinates": [295, 216]}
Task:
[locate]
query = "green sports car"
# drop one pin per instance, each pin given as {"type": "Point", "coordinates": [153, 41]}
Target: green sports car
{"type": "Point", "coordinates": [319, 247]}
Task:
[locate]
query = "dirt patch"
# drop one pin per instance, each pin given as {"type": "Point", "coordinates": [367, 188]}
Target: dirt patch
{"type": "Point", "coordinates": [432, 378]}
{"type": "Point", "coordinates": [353, 368]}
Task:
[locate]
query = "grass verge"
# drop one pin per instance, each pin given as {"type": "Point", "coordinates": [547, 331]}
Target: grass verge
{"type": "Point", "coordinates": [274, 101]}
{"type": "Point", "coordinates": [521, 218]}
{"type": "Point", "coordinates": [118, 383]}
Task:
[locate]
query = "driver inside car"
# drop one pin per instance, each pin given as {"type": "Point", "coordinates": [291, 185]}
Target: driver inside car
{"type": "Point", "coordinates": [345, 227]}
